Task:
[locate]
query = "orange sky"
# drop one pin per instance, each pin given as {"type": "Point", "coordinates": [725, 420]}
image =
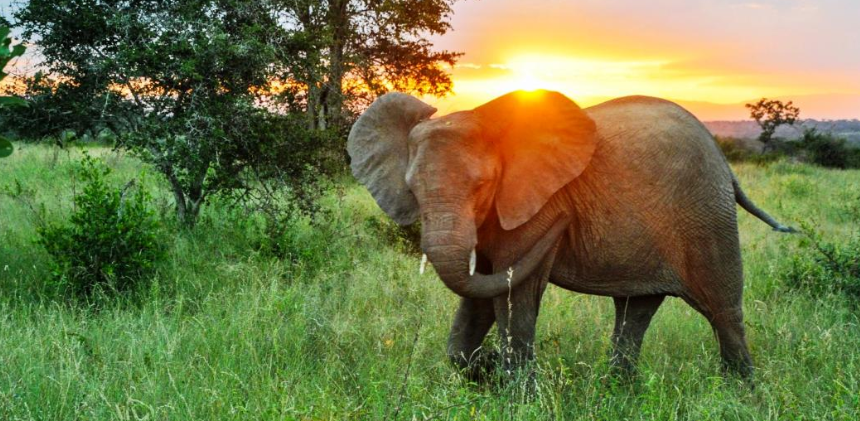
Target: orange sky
{"type": "Point", "coordinates": [714, 51]}
{"type": "Point", "coordinates": [709, 55]}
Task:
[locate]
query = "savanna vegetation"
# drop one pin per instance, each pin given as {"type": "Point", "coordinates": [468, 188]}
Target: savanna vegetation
{"type": "Point", "coordinates": [340, 325]}
{"type": "Point", "coordinates": [815, 147]}
{"type": "Point", "coordinates": [819, 147]}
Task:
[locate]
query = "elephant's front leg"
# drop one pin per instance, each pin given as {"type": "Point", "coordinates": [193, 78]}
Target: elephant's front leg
{"type": "Point", "coordinates": [471, 323]}
{"type": "Point", "coordinates": [516, 315]}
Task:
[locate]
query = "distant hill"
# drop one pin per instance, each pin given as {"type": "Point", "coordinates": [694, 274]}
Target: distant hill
{"type": "Point", "coordinates": [818, 107]}
{"type": "Point", "coordinates": [849, 129]}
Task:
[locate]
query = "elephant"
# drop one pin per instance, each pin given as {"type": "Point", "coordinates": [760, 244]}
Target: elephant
{"type": "Point", "coordinates": [630, 199]}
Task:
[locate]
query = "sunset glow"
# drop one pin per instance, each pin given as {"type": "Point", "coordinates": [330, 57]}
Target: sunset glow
{"type": "Point", "coordinates": [715, 55]}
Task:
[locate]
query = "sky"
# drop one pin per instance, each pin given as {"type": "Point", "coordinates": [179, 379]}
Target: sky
{"type": "Point", "coordinates": [710, 52]}
{"type": "Point", "coordinates": [710, 55]}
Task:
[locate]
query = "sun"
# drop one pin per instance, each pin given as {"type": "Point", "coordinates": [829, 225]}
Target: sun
{"type": "Point", "coordinates": [526, 76]}
{"type": "Point", "coordinates": [528, 81]}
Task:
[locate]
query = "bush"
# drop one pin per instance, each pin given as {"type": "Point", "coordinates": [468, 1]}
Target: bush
{"type": "Point", "coordinates": [734, 152]}
{"type": "Point", "coordinates": [824, 267]}
{"type": "Point", "coordinates": [405, 239]}
{"type": "Point", "coordinates": [827, 150]}
{"type": "Point", "coordinates": [112, 240]}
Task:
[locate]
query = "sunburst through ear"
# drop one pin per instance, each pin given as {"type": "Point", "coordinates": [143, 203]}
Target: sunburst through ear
{"type": "Point", "coordinates": [545, 141]}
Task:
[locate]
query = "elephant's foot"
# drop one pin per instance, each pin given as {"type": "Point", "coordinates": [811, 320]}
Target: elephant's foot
{"type": "Point", "coordinates": [478, 367]}
{"type": "Point", "coordinates": [622, 366]}
{"type": "Point", "coordinates": [519, 381]}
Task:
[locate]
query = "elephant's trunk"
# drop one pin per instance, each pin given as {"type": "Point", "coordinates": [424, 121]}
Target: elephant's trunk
{"type": "Point", "coordinates": [449, 242]}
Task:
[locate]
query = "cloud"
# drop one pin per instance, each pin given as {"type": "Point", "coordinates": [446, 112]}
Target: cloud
{"type": "Point", "coordinates": [471, 71]}
{"type": "Point", "coordinates": [757, 6]}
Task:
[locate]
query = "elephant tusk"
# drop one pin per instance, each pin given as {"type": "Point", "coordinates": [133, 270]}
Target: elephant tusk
{"type": "Point", "coordinates": [473, 261]}
{"type": "Point", "coordinates": [423, 264]}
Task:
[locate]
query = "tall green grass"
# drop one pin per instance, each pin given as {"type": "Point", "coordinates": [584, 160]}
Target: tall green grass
{"type": "Point", "coordinates": [346, 328]}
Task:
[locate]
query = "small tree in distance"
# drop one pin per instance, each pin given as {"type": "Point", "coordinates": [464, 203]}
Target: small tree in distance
{"type": "Point", "coordinates": [770, 114]}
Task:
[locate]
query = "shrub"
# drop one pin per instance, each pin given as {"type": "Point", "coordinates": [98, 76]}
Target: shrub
{"type": "Point", "coordinates": [405, 239]}
{"type": "Point", "coordinates": [112, 240]}
{"type": "Point", "coordinates": [731, 150]}
{"type": "Point", "coordinates": [823, 267]}
{"type": "Point", "coordinates": [827, 150]}
{"type": "Point", "coordinates": [734, 152]}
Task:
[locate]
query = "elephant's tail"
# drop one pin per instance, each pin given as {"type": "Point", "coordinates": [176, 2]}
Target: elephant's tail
{"type": "Point", "coordinates": [745, 202]}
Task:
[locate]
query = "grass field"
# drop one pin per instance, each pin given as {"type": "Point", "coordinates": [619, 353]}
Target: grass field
{"type": "Point", "coordinates": [346, 328]}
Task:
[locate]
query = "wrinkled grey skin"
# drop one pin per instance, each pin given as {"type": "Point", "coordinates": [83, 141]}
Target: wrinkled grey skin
{"type": "Point", "coordinates": [629, 199]}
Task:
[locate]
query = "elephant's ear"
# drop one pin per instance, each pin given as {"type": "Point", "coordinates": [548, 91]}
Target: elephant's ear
{"type": "Point", "coordinates": [545, 141]}
{"type": "Point", "coordinates": [379, 152]}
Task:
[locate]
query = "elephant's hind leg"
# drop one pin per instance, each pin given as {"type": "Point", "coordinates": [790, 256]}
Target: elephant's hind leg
{"type": "Point", "coordinates": [729, 325]}
{"type": "Point", "coordinates": [632, 317]}
{"type": "Point", "coordinates": [473, 320]}
{"type": "Point", "coordinates": [727, 320]}
{"type": "Point", "coordinates": [715, 288]}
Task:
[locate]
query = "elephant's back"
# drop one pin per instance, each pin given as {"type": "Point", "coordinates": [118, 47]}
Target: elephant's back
{"type": "Point", "coordinates": [638, 132]}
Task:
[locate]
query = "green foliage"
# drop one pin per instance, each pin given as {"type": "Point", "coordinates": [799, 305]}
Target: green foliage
{"type": "Point", "coordinates": [827, 150]}
{"type": "Point", "coordinates": [735, 153]}
{"type": "Point", "coordinates": [406, 239]}
{"type": "Point", "coordinates": [824, 149]}
{"type": "Point", "coordinates": [57, 107]}
{"type": "Point", "coordinates": [344, 53]}
{"type": "Point", "coordinates": [112, 240]}
{"type": "Point", "coordinates": [6, 147]}
{"type": "Point", "coordinates": [188, 84]}
{"type": "Point", "coordinates": [770, 114]}
{"type": "Point", "coordinates": [8, 52]}
{"type": "Point", "coordinates": [825, 267]}
{"type": "Point", "coordinates": [92, 48]}
{"type": "Point", "coordinates": [240, 151]}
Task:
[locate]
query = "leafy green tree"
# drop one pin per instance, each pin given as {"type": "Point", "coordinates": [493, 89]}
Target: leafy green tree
{"type": "Point", "coordinates": [71, 92]}
{"type": "Point", "coordinates": [55, 108]}
{"type": "Point", "coordinates": [344, 53]}
{"type": "Point", "coordinates": [186, 70]}
{"type": "Point", "coordinates": [187, 84]}
{"type": "Point", "coordinates": [7, 53]}
{"type": "Point", "coordinates": [770, 114]}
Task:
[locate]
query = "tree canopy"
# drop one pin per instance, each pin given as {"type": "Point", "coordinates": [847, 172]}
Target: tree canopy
{"type": "Point", "coordinates": [190, 84]}
{"type": "Point", "coordinates": [770, 114]}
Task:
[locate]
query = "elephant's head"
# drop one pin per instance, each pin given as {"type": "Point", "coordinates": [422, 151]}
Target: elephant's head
{"type": "Point", "coordinates": [508, 156]}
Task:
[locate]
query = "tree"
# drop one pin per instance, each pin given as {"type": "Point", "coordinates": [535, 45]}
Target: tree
{"type": "Point", "coordinates": [770, 114]}
{"type": "Point", "coordinates": [186, 84]}
{"type": "Point", "coordinates": [7, 53]}
{"type": "Point", "coordinates": [186, 69]}
{"type": "Point", "coordinates": [71, 92]}
{"type": "Point", "coordinates": [64, 107]}
{"type": "Point", "coordinates": [344, 53]}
